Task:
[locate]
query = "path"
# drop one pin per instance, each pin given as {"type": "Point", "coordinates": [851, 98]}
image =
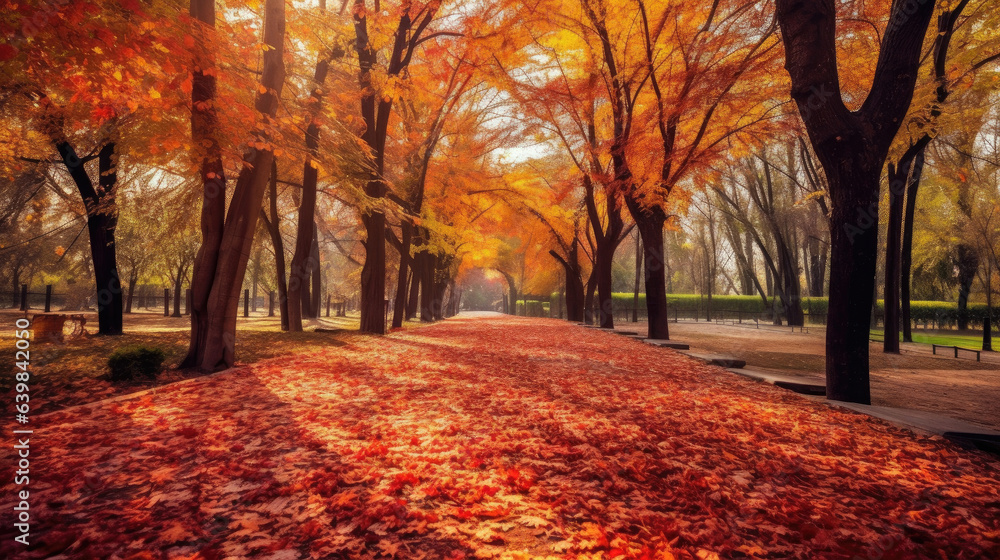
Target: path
{"type": "Point", "coordinates": [494, 437]}
{"type": "Point", "coordinates": [915, 379]}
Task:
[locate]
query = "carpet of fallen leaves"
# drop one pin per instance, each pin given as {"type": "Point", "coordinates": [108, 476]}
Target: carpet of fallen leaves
{"type": "Point", "coordinates": [494, 438]}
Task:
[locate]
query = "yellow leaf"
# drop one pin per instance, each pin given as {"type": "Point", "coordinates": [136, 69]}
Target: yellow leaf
{"type": "Point", "coordinates": [117, 75]}
{"type": "Point", "coordinates": [261, 89]}
{"type": "Point", "coordinates": [153, 94]}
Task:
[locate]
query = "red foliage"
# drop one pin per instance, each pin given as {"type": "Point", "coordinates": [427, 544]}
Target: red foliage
{"type": "Point", "coordinates": [550, 441]}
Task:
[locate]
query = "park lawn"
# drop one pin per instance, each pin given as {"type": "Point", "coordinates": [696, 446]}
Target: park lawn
{"type": "Point", "coordinates": [506, 438]}
{"type": "Point", "coordinates": [971, 341]}
{"type": "Point", "coordinates": [75, 372]}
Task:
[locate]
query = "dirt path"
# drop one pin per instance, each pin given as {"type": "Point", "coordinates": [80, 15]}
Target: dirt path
{"type": "Point", "coordinates": [499, 437]}
{"type": "Point", "coordinates": [961, 388]}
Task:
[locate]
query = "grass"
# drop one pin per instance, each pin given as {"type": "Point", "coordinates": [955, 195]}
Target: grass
{"type": "Point", "coordinates": [972, 341]}
{"type": "Point", "coordinates": [75, 371]}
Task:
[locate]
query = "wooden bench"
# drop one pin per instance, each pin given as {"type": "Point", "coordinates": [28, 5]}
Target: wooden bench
{"type": "Point", "coordinates": [49, 327]}
{"type": "Point", "coordinates": [934, 348]}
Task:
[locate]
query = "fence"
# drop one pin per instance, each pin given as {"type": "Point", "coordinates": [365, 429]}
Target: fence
{"type": "Point", "coordinates": [49, 300]}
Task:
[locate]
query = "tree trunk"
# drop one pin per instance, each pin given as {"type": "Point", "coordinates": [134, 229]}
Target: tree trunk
{"type": "Point", "coordinates": [302, 266]}
{"type": "Point", "coordinates": [605, 302]}
{"type": "Point", "coordinates": [588, 300]}
{"type": "Point", "coordinates": [102, 220]}
{"type": "Point", "coordinates": [854, 251]}
{"type": "Point", "coordinates": [413, 299]}
{"type": "Point", "coordinates": [399, 306]}
{"type": "Point", "coordinates": [906, 256]}
{"type": "Point", "coordinates": [178, 284]}
{"type": "Point", "coordinates": [131, 292]}
{"type": "Point", "coordinates": [214, 346]}
{"type": "Point", "coordinates": [651, 233]}
{"type": "Point", "coordinates": [427, 288]}
{"type": "Point", "coordinates": [274, 229]}
{"type": "Point", "coordinates": [967, 262]}
{"type": "Point", "coordinates": [893, 241]}
{"type": "Point", "coordinates": [316, 274]}
{"type": "Point", "coordinates": [638, 274]}
{"type": "Point", "coordinates": [204, 123]}
{"type": "Point", "coordinates": [852, 147]}
{"type": "Point", "coordinates": [574, 285]}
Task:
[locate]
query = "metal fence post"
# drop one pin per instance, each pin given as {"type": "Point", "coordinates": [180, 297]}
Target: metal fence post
{"type": "Point", "coordinates": [24, 297]}
{"type": "Point", "coordinates": [48, 298]}
{"type": "Point", "coordinates": [166, 302]}
{"type": "Point", "coordinates": [246, 303]}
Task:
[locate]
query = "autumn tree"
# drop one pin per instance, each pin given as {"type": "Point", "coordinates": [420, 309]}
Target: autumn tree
{"type": "Point", "coordinates": [852, 146]}
{"type": "Point", "coordinates": [227, 235]}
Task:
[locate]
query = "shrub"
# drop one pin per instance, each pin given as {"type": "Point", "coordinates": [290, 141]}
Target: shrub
{"type": "Point", "coordinates": [132, 361]}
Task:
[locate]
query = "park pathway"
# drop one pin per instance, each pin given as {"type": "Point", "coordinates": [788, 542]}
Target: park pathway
{"type": "Point", "coordinates": [493, 437]}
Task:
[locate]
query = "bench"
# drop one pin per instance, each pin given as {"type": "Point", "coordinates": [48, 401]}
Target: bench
{"type": "Point", "coordinates": [934, 348]}
{"type": "Point", "coordinates": [49, 327]}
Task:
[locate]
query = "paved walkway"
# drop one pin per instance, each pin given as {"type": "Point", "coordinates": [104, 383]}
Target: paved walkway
{"type": "Point", "coordinates": [915, 379]}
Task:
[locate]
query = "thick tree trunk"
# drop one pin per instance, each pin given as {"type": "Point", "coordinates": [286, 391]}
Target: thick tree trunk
{"type": "Point", "coordinates": [852, 147]}
{"type": "Point", "coordinates": [651, 232]}
{"type": "Point", "coordinates": [204, 123]}
{"type": "Point", "coordinates": [854, 251]}
{"type": "Point", "coordinates": [605, 303]}
{"type": "Point", "coordinates": [214, 347]}
{"type": "Point", "coordinates": [437, 306]}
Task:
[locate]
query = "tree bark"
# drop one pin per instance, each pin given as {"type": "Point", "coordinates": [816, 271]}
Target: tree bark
{"type": "Point", "coordinates": [178, 284]}
{"type": "Point", "coordinates": [316, 274]}
{"type": "Point", "coordinates": [399, 306]}
{"type": "Point", "coordinates": [131, 293]}
{"type": "Point", "coordinates": [638, 276]}
{"type": "Point", "coordinates": [413, 299]}
{"type": "Point", "coordinates": [588, 300]}
{"type": "Point", "coordinates": [302, 265]}
{"type": "Point", "coordinates": [967, 263]}
{"type": "Point", "coordinates": [214, 348]}
{"type": "Point", "coordinates": [204, 123]}
{"type": "Point", "coordinates": [574, 284]}
{"type": "Point", "coordinates": [274, 229]}
{"type": "Point", "coordinates": [376, 113]}
{"type": "Point", "coordinates": [852, 147]}
{"type": "Point", "coordinates": [906, 256]}
{"type": "Point", "coordinates": [428, 288]}
{"type": "Point", "coordinates": [651, 232]}
{"type": "Point", "coordinates": [102, 220]}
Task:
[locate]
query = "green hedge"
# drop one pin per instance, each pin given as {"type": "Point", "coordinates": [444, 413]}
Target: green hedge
{"type": "Point", "coordinates": [942, 311]}
{"type": "Point", "coordinates": [694, 305]}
